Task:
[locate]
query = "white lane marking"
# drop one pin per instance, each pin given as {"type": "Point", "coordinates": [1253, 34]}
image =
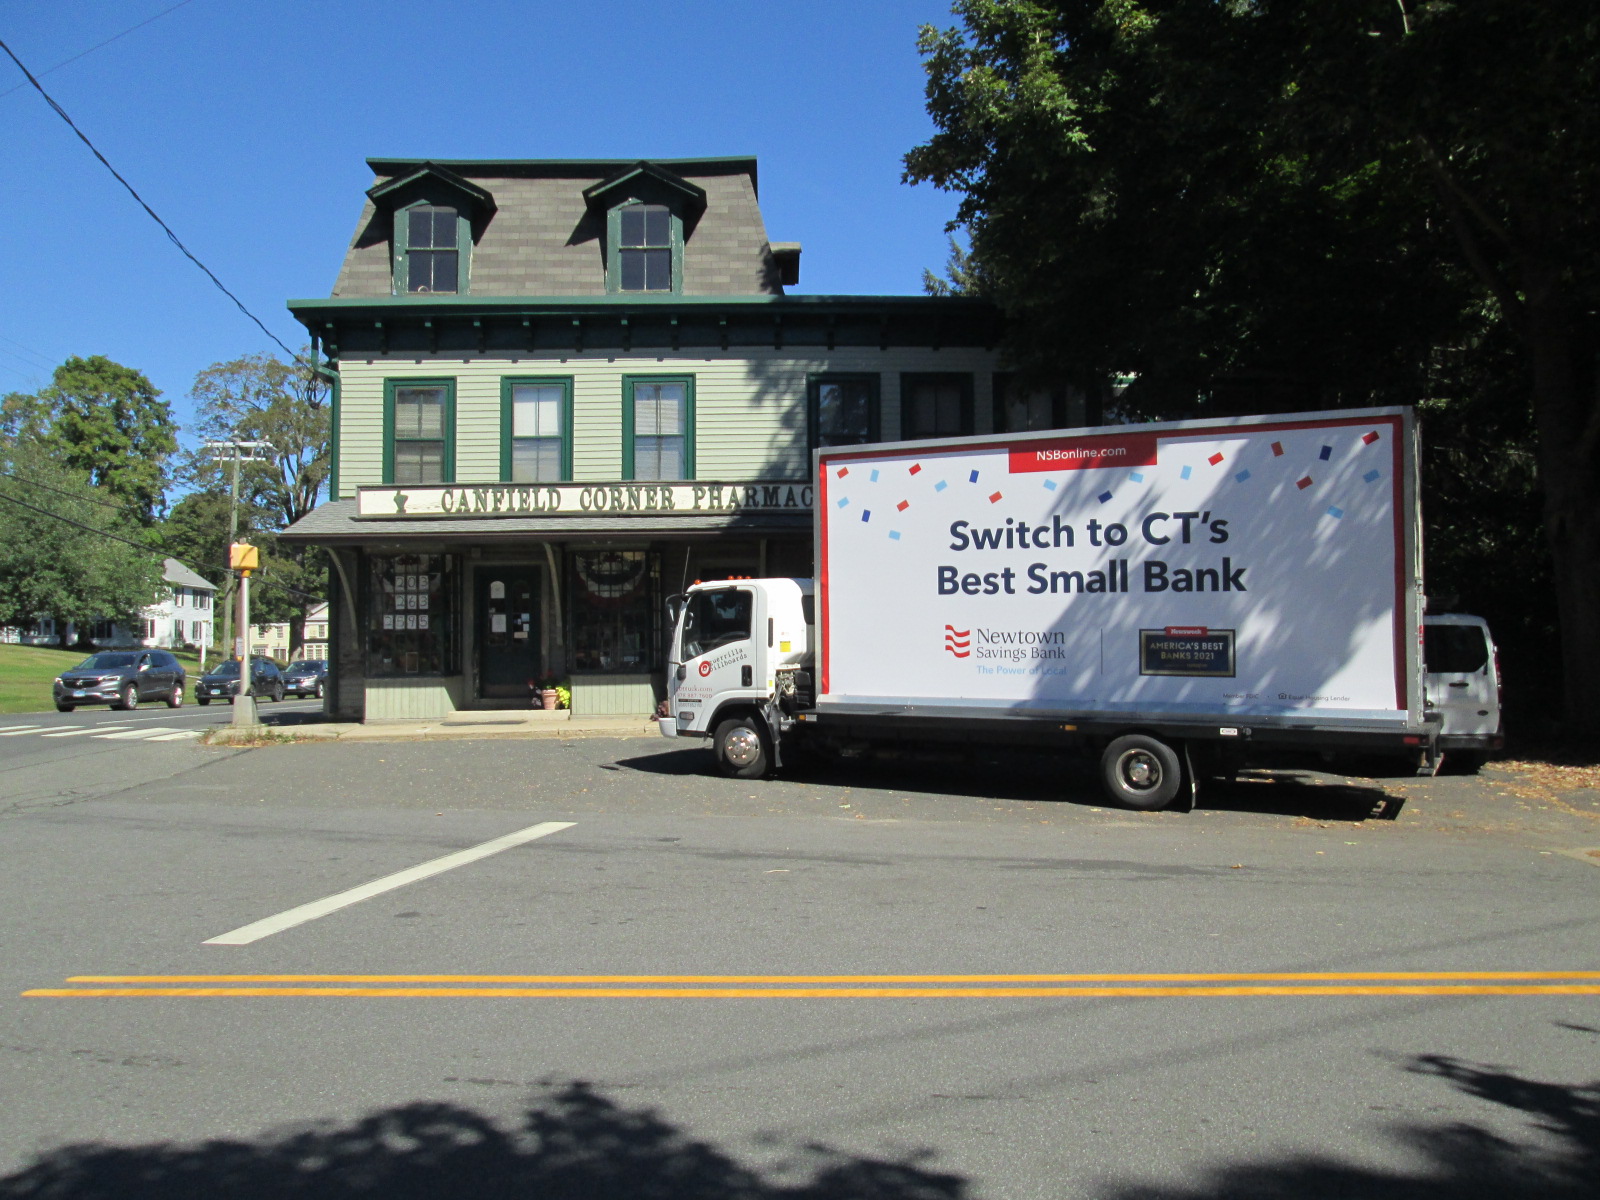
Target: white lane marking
{"type": "Point", "coordinates": [17, 728]}
{"type": "Point", "coordinates": [129, 735]}
{"type": "Point", "coordinates": [267, 926]}
{"type": "Point", "coordinates": [179, 736]}
{"type": "Point", "coordinates": [37, 729]}
{"type": "Point", "coordinates": [84, 730]}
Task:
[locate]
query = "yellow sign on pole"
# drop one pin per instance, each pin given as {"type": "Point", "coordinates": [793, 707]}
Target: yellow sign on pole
{"type": "Point", "coordinates": [243, 557]}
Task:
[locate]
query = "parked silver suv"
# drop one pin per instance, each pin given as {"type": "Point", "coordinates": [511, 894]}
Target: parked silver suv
{"type": "Point", "coordinates": [121, 678]}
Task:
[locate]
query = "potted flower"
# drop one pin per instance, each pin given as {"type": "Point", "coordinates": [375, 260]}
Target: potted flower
{"type": "Point", "coordinates": [553, 694]}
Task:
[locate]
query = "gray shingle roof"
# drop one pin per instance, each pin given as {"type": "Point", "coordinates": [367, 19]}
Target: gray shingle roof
{"type": "Point", "coordinates": [335, 523]}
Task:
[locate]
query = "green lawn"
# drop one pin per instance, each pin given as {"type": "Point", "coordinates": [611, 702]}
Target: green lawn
{"type": "Point", "coordinates": [26, 673]}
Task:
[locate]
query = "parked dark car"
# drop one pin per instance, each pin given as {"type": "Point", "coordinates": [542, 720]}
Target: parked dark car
{"type": "Point", "coordinates": [305, 678]}
{"type": "Point", "coordinates": [222, 681]}
{"type": "Point", "coordinates": [121, 678]}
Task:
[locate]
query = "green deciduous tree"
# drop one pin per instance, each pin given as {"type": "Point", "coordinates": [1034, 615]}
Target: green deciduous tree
{"type": "Point", "coordinates": [1307, 203]}
{"type": "Point", "coordinates": [109, 421]}
{"type": "Point", "coordinates": [260, 398]}
{"type": "Point", "coordinates": [65, 547]}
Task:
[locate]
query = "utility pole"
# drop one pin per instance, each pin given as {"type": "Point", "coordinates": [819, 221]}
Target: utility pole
{"type": "Point", "coordinates": [235, 452]}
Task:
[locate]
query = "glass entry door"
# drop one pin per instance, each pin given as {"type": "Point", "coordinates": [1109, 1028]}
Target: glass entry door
{"type": "Point", "coordinates": [509, 631]}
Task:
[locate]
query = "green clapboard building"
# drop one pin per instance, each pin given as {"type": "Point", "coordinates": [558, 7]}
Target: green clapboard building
{"type": "Point", "coordinates": [566, 389]}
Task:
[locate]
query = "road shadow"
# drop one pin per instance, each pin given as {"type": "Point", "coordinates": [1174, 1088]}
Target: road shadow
{"type": "Point", "coordinates": [1461, 1160]}
{"type": "Point", "coordinates": [1044, 778]}
{"type": "Point", "coordinates": [573, 1144]}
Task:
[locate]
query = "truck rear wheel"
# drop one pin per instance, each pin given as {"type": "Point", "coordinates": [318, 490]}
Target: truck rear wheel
{"type": "Point", "coordinates": [740, 745]}
{"type": "Point", "coordinates": [1141, 772]}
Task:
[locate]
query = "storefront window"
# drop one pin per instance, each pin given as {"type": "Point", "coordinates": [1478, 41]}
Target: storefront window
{"type": "Point", "coordinates": [413, 623]}
{"type": "Point", "coordinates": [615, 610]}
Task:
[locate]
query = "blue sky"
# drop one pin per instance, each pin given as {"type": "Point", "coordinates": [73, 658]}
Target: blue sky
{"type": "Point", "coordinates": [246, 125]}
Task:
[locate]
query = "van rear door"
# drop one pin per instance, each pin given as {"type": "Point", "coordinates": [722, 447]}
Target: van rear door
{"type": "Point", "coordinates": [1461, 681]}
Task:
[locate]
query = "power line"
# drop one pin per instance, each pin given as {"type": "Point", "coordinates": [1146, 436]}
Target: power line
{"type": "Point", "coordinates": [187, 253]}
{"type": "Point", "coordinates": [101, 45]}
{"type": "Point", "coordinates": [148, 549]}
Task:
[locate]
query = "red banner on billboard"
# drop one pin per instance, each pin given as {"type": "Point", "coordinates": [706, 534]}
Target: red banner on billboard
{"type": "Point", "coordinates": [1082, 454]}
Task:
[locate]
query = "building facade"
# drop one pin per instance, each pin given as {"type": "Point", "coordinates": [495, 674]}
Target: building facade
{"type": "Point", "coordinates": [564, 391]}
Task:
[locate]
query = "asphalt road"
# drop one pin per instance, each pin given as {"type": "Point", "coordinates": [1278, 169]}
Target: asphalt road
{"type": "Point", "coordinates": [920, 980]}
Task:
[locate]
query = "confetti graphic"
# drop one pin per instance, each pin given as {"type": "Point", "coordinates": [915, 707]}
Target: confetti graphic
{"type": "Point", "coordinates": [940, 486]}
{"type": "Point", "coordinates": [1327, 453]}
{"type": "Point", "coordinates": [1185, 473]}
{"type": "Point", "coordinates": [1371, 477]}
{"type": "Point", "coordinates": [1304, 483]}
{"type": "Point", "coordinates": [1215, 458]}
{"type": "Point", "coordinates": [894, 534]}
{"type": "Point", "coordinates": [994, 498]}
{"type": "Point", "coordinates": [866, 514]}
{"type": "Point", "coordinates": [1241, 476]}
{"type": "Point", "coordinates": [844, 501]}
{"type": "Point", "coordinates": [1335, 511]}
{"type": "Point", "coordinates": [973, 478]}
{"type": "Point", "coordinates": [1049, 485]}
{"type": "Point", "coordinates": [1277, 449]}
{"type": "Point", "coordinates": [915, 468]}
{"type": "Point", "coordinates": [1369, 438]}
{"type": "Point", "coordinates": [874, 476]}
{"type": "Point", "coordinates": [1103, 497]}
{"type": "Point", "coordinates": [843, 471]}
{"type": "Point", "coordinates": [1135, 477]}
{"type": "Point", "coordinates": [902, 506]}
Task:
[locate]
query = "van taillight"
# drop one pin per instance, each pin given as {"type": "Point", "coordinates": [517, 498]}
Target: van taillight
{"type": "Point", "coordinates": [1499, 681]}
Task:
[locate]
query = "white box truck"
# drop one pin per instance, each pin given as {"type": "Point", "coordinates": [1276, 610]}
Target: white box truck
{"type": "Point", "coordinates": [1179, 598]}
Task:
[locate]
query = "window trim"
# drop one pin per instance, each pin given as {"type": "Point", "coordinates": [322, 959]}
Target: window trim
{"type": "Point", "coordinates": [447, 460]}
{"type": "Point", "coordinates": [614, 248]}
{"type": "Point", "coordinates": [629, 383]}
{"type": "Point", "coordinates": [400, 238]}
{"type": "Point", "coordinates": [507, 410]}
{"type": "Point", "coordinates": [909, 379]}
{"type": "Point", "coordinates": [814, 385]}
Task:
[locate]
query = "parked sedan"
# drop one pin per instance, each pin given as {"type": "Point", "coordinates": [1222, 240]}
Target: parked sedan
{"type": "Point", "coordinates": [305, 678]}
{"type": "Point", "coordinates": [121, 678]}
{"type": "Point", "coordinates": [222, 681]}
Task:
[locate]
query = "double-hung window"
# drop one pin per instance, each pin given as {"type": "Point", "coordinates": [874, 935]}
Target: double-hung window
{"type": "Point", "coordinates": [644, 248]}
{"type": "Point", "coordinates": [535, 422]}
{"type": "Point", "coordinates": [419, 442]}
{"type": "Point", "coordinates": [433, 253]}
{"type": "Point", "coordinates": [843, 410]}
{"type": "Point", "coordinates": [658, 427]}
{"type": "Point", "coordinates": [935, 406]}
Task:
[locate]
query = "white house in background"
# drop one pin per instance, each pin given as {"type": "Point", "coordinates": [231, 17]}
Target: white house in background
{"type": "Point", "coordinates": [185, 616]}
{"type": "Point", "coordinates": [316, 632]}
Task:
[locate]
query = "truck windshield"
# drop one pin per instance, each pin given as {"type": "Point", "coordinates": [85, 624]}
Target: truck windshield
{"type": "Point", "coordinates": [714, 619]}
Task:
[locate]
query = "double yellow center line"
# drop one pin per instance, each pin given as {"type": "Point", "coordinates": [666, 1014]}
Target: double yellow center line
{"type": "Point", "coordinates": [819, 987]}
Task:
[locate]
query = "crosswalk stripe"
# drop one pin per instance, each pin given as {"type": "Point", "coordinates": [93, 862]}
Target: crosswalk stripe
{"type": "Point", "coordinates": [129, 735]}
{"type": "Point", "coordinates": [17, 728]}
{"type": "Point", "coordinates": [37, 729]}
{"type": "Point", "coordinates": [178, 736]}
{"type": "Point", "coordinates": [82, 732]}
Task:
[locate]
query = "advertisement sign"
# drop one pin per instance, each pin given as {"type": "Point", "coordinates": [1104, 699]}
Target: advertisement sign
{"type": "Point", "coordinates": [1229, 568]}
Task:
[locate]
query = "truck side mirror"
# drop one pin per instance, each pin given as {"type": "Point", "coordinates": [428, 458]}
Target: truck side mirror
{"type": "Point", "coordinates": [683, 671]}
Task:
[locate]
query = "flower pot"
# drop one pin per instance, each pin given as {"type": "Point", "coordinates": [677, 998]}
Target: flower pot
{"type": "Point", "coordinates": [549, 698]}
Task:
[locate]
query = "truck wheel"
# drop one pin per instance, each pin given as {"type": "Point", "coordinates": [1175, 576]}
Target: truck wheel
{"type": "Point", "coordinates": [740, 745]}
{"type": "Point", "coordinates": [1141, 772]}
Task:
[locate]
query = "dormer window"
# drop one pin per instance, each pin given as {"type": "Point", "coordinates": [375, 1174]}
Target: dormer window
{"type": "Point", "coordinates": [644, 248]}
{"type": "Point", "coordinates": [432, 249]}
{"type": "Point", "coordinates": [433, 215]}
{"type": "Point", "coordinates": [649, 214]}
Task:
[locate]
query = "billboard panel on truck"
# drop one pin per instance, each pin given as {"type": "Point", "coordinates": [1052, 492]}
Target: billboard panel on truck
{"type": "Point", "coordinates": [1258, 567]}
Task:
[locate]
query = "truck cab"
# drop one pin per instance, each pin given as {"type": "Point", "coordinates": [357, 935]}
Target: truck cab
{"type": "Point", "coordinates": [737, 644]}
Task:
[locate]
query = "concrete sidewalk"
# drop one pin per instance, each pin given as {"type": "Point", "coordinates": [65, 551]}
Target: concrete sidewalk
{"type": "Point", "coordinates": [521, 723]}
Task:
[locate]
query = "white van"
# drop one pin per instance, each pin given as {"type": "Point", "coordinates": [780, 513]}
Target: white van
{"type": "Point", "coordinates": [1463, 687]}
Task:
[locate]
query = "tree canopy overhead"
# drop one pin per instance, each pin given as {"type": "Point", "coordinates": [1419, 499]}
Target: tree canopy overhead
{"type": "Point", "coordinates": [1297, 203]}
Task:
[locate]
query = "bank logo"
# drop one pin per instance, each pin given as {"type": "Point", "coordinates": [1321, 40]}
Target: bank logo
{"type": "Point", "coordinates": [705, 668]}
{"type": "Point", "coordinates": [958, 641]}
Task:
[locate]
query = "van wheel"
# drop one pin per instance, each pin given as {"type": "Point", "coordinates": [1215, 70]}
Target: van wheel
{"type": "Point", "coordinates": [1141, 772]}
{"type": "Point", "coordinates": [1464, 762]}
{"type": "Point", "coordinates": [740, 746]}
